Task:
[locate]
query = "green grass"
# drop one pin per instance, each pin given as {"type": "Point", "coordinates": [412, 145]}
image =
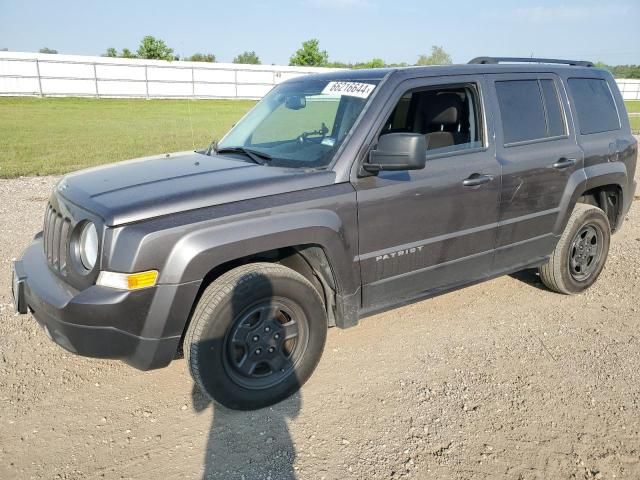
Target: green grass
{"type": "Point", "coordinates": [41, 136]}
{"type": "Point", "coordinates": [633, 106]}
{"type": "Point", "coordinates": [59, 135]}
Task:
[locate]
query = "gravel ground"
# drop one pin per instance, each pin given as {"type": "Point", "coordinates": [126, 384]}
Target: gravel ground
{"type": "Point", "coordinates": [503, 379]}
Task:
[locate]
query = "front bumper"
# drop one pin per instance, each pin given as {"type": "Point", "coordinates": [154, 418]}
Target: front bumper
{"type": "Point", "coordinates": [141, 327]}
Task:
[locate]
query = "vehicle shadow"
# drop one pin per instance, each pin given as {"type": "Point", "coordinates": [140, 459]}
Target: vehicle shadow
{"type": "Point", "coordinates": [531, 277]}
{"type": "Point", "coordinates": [248, 445]}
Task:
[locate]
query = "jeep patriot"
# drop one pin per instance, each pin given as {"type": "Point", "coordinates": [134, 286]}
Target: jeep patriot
{"type": "Point", "coordinates": [338, 195]}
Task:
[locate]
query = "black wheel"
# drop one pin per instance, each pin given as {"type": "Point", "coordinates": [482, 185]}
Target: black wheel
{"type": "Point", "coordinates": [581, 252]}
{"type": "Point", "coordinates": [256, 336]}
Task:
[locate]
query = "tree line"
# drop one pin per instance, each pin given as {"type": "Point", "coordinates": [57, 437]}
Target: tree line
{"type": "Point", "coordinates": [309, 55]}
{"type": "Point", "coordinates": [156, 49]}
{"type": "Point", "coordinates": [621, 71]}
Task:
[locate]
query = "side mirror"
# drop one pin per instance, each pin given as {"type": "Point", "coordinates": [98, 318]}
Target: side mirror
{"type": "Point", "coordinates": [398, 151]}
{"type": "Point", "coordinates": [295, 102]}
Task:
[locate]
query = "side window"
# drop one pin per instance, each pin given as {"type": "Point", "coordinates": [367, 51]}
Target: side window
{"type": "Point", "coordinates": [530, 110]}
{"type": "Point", "coordinates": [555, 117]}
{"type": "Point", "coordinates": [594, 105]}
{"type": "Point", "coordinates": [448, 117]}
{"type": "Point", "coordinates": [521, 110]}
{"type": "Point", "coordinates": [399, 118]}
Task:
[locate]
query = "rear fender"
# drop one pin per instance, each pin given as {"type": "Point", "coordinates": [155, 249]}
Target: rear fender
{"type": "Point", "coordinates": [612, 173]}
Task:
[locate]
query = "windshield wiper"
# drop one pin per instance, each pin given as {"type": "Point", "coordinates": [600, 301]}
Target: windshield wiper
{"type": "Point", "coordinates": [256, 156]}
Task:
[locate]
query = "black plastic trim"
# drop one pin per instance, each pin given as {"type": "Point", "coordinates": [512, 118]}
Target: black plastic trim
{"type": "Point", "coordinates": [496, 60]}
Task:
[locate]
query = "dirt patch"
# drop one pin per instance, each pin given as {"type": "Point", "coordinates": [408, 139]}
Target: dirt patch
{"type": "Point", "coordinates": [503, 379]}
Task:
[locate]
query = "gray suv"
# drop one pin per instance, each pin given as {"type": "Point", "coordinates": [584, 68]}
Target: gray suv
{"type": "Point", "coordinates": [337, 196]}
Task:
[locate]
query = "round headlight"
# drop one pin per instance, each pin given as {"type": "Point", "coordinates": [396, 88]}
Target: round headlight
{"type": "Point", "coordinates": [89, 246]}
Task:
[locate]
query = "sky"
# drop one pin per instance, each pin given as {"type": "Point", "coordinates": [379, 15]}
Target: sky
{"type": "Point", "coordinates": [350, 30]}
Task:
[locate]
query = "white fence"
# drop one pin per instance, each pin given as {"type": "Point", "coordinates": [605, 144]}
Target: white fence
{"type": "Point", "coordinates": [74, 75]}
{"type": "Point", "coordinates": [630, 88]}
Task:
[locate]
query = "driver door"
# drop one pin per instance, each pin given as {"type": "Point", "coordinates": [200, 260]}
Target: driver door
{"type": "Point", "coordinates": [422, 231]}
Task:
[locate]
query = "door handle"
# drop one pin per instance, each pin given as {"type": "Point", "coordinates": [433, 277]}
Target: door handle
{"type": "Point", "coordinates": [563, 163]}
{"type": "Point", "coordinates": [477, 179]}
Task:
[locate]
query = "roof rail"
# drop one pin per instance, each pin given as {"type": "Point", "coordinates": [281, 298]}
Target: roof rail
{"type": "Point", "coordinates": [495, 60]}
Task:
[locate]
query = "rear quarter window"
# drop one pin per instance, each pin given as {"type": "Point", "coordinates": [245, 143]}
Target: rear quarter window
{"type": "Point", "coordinates": [594, 104]}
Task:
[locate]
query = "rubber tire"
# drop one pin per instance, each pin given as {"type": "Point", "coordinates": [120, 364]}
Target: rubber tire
{"type": "Point", "coordinates": [555, 274]}
{"type": "Point", "coordinates": [215, 314]}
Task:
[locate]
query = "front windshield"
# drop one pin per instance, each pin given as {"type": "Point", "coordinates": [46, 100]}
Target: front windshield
{"type": "Point", "coordinates": [300, 123]}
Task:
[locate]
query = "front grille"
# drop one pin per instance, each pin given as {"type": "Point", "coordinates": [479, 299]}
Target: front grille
{"type": "Point", "coordinates": [56, 238]}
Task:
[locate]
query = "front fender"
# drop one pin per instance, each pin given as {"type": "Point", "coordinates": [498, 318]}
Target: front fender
{"type": "Point", "coordinates": [198, 252]}
{"type": "Point", "coordinates": [185, 247]}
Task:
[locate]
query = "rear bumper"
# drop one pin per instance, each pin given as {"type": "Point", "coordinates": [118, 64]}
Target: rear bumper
{"type": "Point", "coordinates": [142, 328]}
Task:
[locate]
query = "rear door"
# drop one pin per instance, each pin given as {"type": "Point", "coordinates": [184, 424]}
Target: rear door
{"type": "Point", "coordinates": [537, 149]}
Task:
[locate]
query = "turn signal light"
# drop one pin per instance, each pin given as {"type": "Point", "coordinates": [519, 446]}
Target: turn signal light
{"type": "Point", "coordinates": [128, 281]}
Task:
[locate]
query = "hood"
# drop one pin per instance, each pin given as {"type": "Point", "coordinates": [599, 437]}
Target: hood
{"type": "Point", "coordinates": [149, 187]}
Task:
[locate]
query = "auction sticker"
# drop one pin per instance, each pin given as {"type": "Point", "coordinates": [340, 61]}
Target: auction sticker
{"type": "Point", "coordinates": [351, 89]}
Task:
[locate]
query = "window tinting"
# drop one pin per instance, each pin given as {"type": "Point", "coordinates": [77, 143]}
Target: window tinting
{"type": "Point", "coordinates": [594, 105]}
{"type": "Point", "coordinates": [398, 120]}
{"type": "Point", "coordinates": [555, 120]}
{"type": "Point", "coordinates": [448, 117]}
{"type": "Point", "coordinates": [521, 110]}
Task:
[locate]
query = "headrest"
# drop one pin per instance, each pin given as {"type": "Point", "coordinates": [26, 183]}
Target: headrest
{"type": "Point", "coordinates": [442, 109]}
